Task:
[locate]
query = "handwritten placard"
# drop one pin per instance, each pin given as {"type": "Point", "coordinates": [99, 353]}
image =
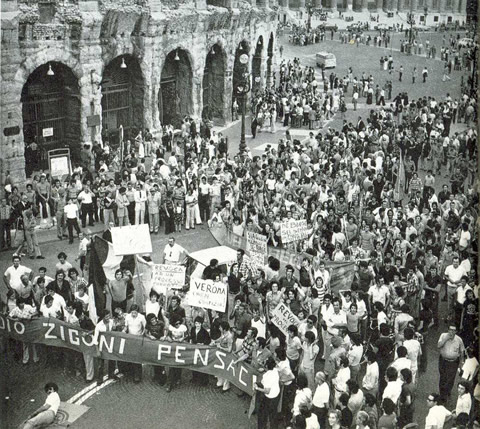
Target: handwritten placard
{"type": "Point", "coordinates": [167, 277]}
{"type": "Point", "coordinates": [293, 230]}
{"type": "Point", "coordinates": [207, 294]}
{"type": "Point", "coordinates": [283, 317]}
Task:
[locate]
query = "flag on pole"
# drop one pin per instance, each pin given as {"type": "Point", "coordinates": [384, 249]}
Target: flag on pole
{"type": "Point", "coordinates": [400, 179]}
{"type": "Point", "coordinates": [102, 266]}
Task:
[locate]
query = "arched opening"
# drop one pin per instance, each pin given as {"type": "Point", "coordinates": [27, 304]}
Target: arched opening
{"type": "Point", "coordinates": [214, 84]}
{"type": "Point", "coordinates": [257, 66]}
{"type": "Point", "coordinates": [51, 112]}
{"type": "Point", "coordinates": [175, 97]}
{"type": "Point", "coordinates": [270, 49]}
{"type": "Point", "coordinates": [122, 98]}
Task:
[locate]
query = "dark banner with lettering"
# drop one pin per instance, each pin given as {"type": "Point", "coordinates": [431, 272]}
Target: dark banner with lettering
{"type": "Point", "coordinates": [132, 348]}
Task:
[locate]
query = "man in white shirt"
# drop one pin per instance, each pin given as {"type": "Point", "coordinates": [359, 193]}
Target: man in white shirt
{"type": "Point", "coordinates": [135, 324]}
{"type": "Point", "coordinates": [173, 252]}
{"type": "Point", "coordinates": [453, 276]}
{"type": "Point", "coordinates": [402, 360]}
{"type": "Point", "coordinates": [12, 277]}
{"type": "Point", "coordinates": [371, 378]}
{"type": "Point", "coordinates": [378, 292]}
{"type": "Point", "coordinates": [321, 398]}
{"type": "Point", "coordinates": [86, 198]}
{"type": "Point", "coordinates": [437, 415]}
{"type": "Point", "coordinates": [414, 350]}
{"type": "Point", "coordinates": [104, 325]}
{"type": "Point", "coordinates": [58, 303]}
{"type": "Point", "coordinates": [394, 386]}
{"type": "Point", "coordinates": [45, 415]}
{"type": "Point", "coordinates": [71, 214]}
{"type": "Point", "coordinates": [335, 321]}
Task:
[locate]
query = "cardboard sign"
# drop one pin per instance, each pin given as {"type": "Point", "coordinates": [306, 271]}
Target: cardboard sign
{"type": "Point", "coordinates": [283, 317]}
{"type": "Point", "coordinates": [167, 276]}
{"type": "Point", "coordinates": [293, 230]}
{"type": "Point", "coordinates": [207, 294]}
{"type": "Point", "coordinates": [131, 240]}
{"type": "Point", "coordinates": [59, 166]}
{"type": "Point", "coordinates": [256, 243]}
{"type": "Point", "coordinates": [257, 259]}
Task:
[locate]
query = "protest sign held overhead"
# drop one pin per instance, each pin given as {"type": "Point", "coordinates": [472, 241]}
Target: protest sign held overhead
{"type": "Point", "coordinates": [167, 277]}
{"type": "Point", "coordinates": [256, 243]}
{"type": "Point", "coordinates": [207, 294]}
{"type": "Point", "coordinates": [131, 240]}
{"type": "Point", "coordinates": [283, 317]}
{"type": "Point", "coordinates": [293, 230]}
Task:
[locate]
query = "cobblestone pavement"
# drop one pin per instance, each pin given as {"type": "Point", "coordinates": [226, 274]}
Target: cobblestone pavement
{"type": "Point", "coordinates": [124, 404]}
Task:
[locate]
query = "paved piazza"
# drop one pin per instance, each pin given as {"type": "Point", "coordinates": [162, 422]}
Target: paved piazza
{"type": "Point", "coordinates": [124, 404]}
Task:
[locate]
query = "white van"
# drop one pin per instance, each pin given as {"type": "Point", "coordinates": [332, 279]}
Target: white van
{"type": "Point", "coordinates": [326, 60]}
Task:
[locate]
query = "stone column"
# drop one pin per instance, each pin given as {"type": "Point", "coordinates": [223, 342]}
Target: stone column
{"type": "Point", "coordinates": [443, 6]}
{"type": "Point", "coordinates": [379, 5]}
{"type": "Point", "coordinates": [391, 5]}
{"type": "Point", "coordinates": [349, 5]}
{"type": "Point", "coordinates": [301, 4]}
{"type": "Point", "coordinates": [461, 7]}
{"type": "Point", "coordinates": [318, 4]}
{"type": "Point", "coordinates": [413, 5]}
{"type": "Point", "coordinates": [455, 6]}
{"type": "Point", "coordinates": [364, 6]}
{"type": "Point", "coordinates": [333, 5]}
{"type": "Point", "coordinates": [400, 5]}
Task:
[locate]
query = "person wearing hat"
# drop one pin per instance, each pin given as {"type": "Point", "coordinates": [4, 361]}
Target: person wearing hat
{"type": "Point", "coordinates": [59, 206]}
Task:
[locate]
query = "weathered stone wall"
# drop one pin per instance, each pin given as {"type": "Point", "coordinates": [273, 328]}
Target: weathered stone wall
{"type": "Point", "coordinates": [87, 35]}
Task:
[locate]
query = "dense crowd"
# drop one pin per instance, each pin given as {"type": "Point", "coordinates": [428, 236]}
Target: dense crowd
{"type": "Point", "coordinates": [394, 192]}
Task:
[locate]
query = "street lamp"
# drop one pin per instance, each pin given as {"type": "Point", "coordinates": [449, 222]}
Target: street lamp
{"type": "Point", "coordinates": [411, 22]}
{"type": "Point", "coordinates": [425, 13]}
{"type": "Point", "coordinates": [311, 9]}
{"type": "Point", "coordinates": [241, 91]}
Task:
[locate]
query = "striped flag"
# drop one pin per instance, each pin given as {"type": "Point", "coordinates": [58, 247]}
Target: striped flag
{"type": "Point", "coordinates": [400, 179]}
{"type": "Point", "coordinates": [102, 267]}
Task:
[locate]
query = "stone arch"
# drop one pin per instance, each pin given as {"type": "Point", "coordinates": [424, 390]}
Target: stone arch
{"type": "Point", "coordinates": [51, 111]}
{"type": "Point", "coordinates": [257, 65]}
{"type": "Point", "coordinates": [122, 98]}
{"type": "Point", "coordinates": [270, 54]}
{"type": "Point", "coordinates": [176, 88]}
{"type": "Point", "coordinates": [214, 84]}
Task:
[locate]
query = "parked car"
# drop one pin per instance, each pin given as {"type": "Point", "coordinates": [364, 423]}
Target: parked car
{"type": "Point", "coordinates": [383, 27]}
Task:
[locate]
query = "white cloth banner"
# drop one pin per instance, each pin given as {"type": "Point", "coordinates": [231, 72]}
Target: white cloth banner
{"type": "Point", "coordinates": [131, 240]}
{"type": "Point", "coordinates": [293, 230]}
{"type": "Point", "coordinates": [207, 294]}
{"type": "Point", "coordinates": [283, 317]}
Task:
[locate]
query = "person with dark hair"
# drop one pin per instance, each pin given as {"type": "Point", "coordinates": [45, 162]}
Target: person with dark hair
{"type": "Point", "coordinates": [294, 346]}
{"type": "Point", "coordinates": [225, 344]}
{"type": "Point", "coordinates": [135, 324]}
{"type": "Point", "coordinates": [383, 347]}
{"type": "Point", "coordinates": [393, 388]}
{"type": "Point", "coordinates": [269, 391]}
{"type": "Point", "coordinates": [370, 407]}
{"type": "Point", "coordinates": [464, 399]}
{"type": "Point", "coordinates": [355, 401]}
{"type": "Point", "coordinates": [24, 311]}
{"type": "Point", "coordinates": [303, 395]}
{"type": "Point", "coordinates": [212, 271]}
{"type": "Point", "coordinates": [309, 355]}
{"type": "Point", "coordinates": [199, 335]}
{"type": "Point", "coordinates": [62, 286]}
{"type": "Point", "coordinates": [346, 418]}
{"type": "Point", "coordinates": [371, 377]}
{"type": "Point", "coordinates": [437, 415]}
{"type": "Point", "coordinates": [45, 415]}
{"type": "Point", "coordinates": [104, 325]}
{"type": "Point", "coordinates": [407, 398]}
{"type": "Point", "coordinates": [388, 420]}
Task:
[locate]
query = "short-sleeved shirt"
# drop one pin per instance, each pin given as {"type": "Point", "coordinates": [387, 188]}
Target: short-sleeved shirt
{"type": "Point", "coordinates": [293, 346]}
{"type": "Point", "coordinates": [54, 401]}
{"type": "Point", "coordinates": [271, 380]}
{"type": "Point", "coordinates": [13, 275]}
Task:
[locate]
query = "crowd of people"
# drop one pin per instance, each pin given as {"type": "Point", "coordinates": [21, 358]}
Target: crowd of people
{"type": "Point", "coordinates": [393, 192]}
